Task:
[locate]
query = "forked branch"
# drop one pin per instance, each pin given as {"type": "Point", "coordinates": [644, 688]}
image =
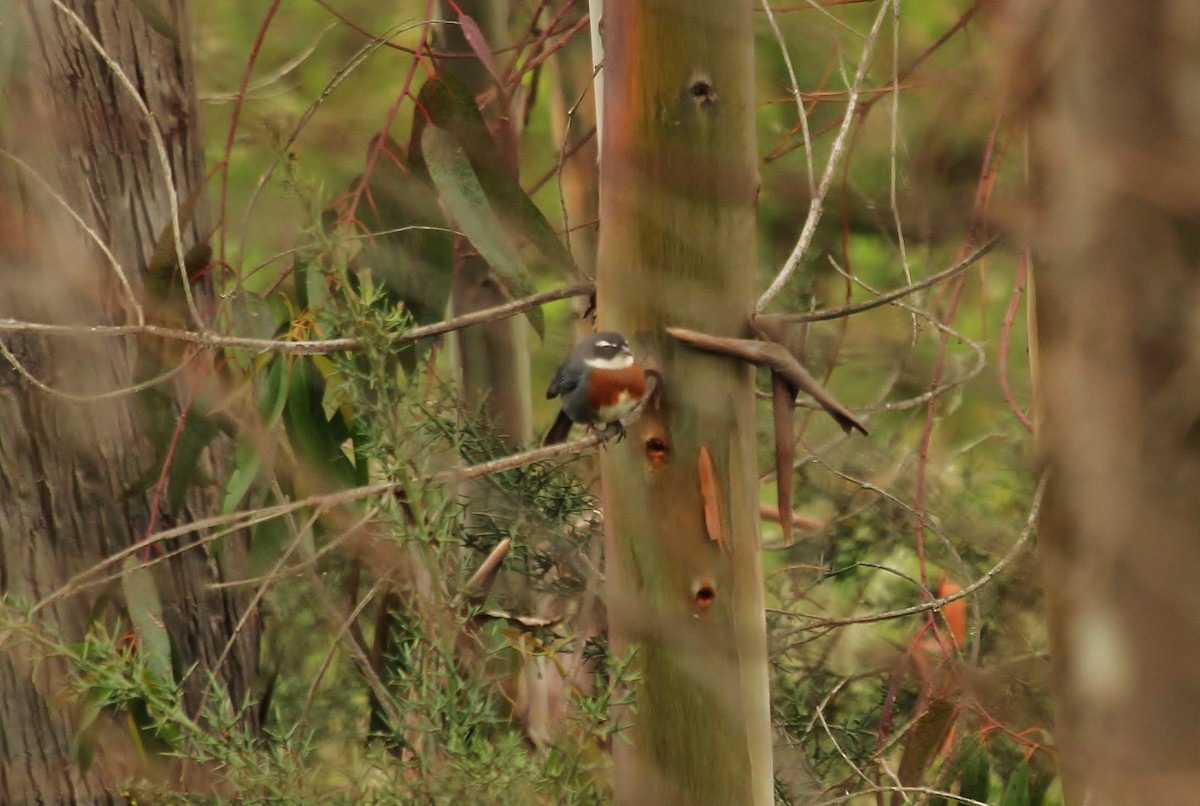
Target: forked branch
{"type": "Point", "coordinates": [779, 360]}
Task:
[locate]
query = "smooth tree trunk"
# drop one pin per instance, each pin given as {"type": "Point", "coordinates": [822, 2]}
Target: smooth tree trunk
{"type": "Point", "coordinates": [70, 458]}
{"type": "Point", "coordinates": [678, 191]}
{"type": "Point", "coordinates": [1116, 222]}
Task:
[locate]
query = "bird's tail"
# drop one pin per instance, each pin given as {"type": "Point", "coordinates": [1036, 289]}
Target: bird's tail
{"type": "Point", "coordinates": [559, 431]}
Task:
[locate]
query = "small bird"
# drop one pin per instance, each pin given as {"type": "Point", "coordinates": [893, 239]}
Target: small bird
{"type": "Point", "coordinates": [600, 382]}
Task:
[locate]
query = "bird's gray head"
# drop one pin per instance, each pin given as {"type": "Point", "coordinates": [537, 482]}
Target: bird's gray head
{"type": "Point", "coordinates": [608, 350]}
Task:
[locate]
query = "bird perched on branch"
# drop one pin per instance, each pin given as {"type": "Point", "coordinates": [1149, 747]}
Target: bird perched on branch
{"type": "Point", "coordinates": [600, 382]}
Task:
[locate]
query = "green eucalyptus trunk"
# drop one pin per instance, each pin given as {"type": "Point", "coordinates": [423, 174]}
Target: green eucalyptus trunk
{"type": "Point", "coordinates": [679, 183]}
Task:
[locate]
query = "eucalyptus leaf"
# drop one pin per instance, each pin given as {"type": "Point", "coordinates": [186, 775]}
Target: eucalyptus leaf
{"type": "Point", "coordinates": [459, 189]}
{"type": "Point", "coordinates": [450, 106]}
{"type": "Point", "coordinates": [146, 613]}
{"type": "Point", "coordinates": [1016, 793]}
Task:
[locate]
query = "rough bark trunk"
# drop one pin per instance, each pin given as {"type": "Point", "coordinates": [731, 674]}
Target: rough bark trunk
{"type": "Point", "coordinates": [1116, 130]}
{"type": "Point", "coordinates": [678, 190]}
{"type": "Point", "coordinates": [66, 464]}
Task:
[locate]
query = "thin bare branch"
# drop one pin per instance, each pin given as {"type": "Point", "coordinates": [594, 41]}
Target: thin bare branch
{"type": "Point", "coordinates": [215, 341]}
{"type": "Point", "coordinates": [817, 206]}
{"type": "Point", "coordinates": [95, 397]}
{"type": "Point", "coordinates": [794, 88]}
{"type": "Point", "coordinates": [937, 604]}
{"type": "Point", "coordinates": [324, 503]}
{"type": "Point", "coordinates": [890, 296]}
{"type": "Point", "coordinates": [285, 148]}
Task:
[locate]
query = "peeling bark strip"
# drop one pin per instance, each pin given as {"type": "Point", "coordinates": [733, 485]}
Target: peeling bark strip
{"type": "Point", "coordinates": [710, 496]}
{"type": "Point", "coordinates": [783, 404]}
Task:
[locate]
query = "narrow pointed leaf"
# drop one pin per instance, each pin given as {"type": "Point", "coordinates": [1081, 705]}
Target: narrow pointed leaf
{"type": "Point", "coordinates": [451, 107]}
{"type": "Point", "coordinates": [246, 464]}
{"type": "Point", "coordinates": [975, 763]}
{"type": "Point", "coordinates": [146, 613]}
{"type": "Point", "coordinates": [462, 194]}
{"type": "Point", "coordinates": [246, 460]}
{"type": "Point", "coordinates": [923, 743]}
{"type": "Point", "coordinates": [310, 431]}
{"type": "Point", "coordinates": [1016, 793]}
{"type": "Point", "coordinates": [411, 248]}
{"type": "Point", "coordinates": [479, 45]}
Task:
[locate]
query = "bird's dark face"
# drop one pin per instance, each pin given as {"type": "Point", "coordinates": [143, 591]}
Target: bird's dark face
{"type": "Point", "coordinates": [609, 351]}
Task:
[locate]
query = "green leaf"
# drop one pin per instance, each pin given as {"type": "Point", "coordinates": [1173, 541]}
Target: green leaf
{"type": "Point", "coordinates": [451, 107]}
{"type": "Point", "coordinates": [478, 42]}
{"type": "Point", "coordinates": [462, 194]}
{"type": "Point", "coordinates": [146, 613]}
{"type": "Point", "coordinates": [411, 250]}
{"type": "Point", "coordinates": [274, 396]}
{"type": "Point", "coordinates": [311, 433]}
{"type": "Point", "coordinates": [311, 289]}
{"type": "Point", "coordinates": [89, 706]}
{"type": "Point", "coordinates": [196, 435]}
{"type": "Point", "coordinates": [246, 464]}
{"type": "Point", "coordinates": [1041, 777]}
{"type": "Point", "coordinates": [1016, 793]}
{"type": "Point", "coordinates": [974, 763]}
{"type": "Point", "coordinates": [246, 459]}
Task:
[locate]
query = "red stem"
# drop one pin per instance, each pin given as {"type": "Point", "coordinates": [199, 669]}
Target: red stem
{"type": "Point", "coordinates": [1014, 304]}
{"type": "Point", "coordinates": [239, 100]}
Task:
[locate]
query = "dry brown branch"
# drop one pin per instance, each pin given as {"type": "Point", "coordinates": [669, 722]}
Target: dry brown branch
{"type": "Point", "coordinates": [214, 341]}
{"type": "Point", "coordinates": [778, 359]}
{"type": "Point", "coordinates": [783, 407]}
{"type": "Point", "coordinates": [483, 577]}
{"type": "Point", "coordinates": [799, 520]}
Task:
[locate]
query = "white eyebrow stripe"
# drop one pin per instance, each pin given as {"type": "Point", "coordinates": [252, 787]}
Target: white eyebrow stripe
{"type": "Point", "coordinates": [603, 343]}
